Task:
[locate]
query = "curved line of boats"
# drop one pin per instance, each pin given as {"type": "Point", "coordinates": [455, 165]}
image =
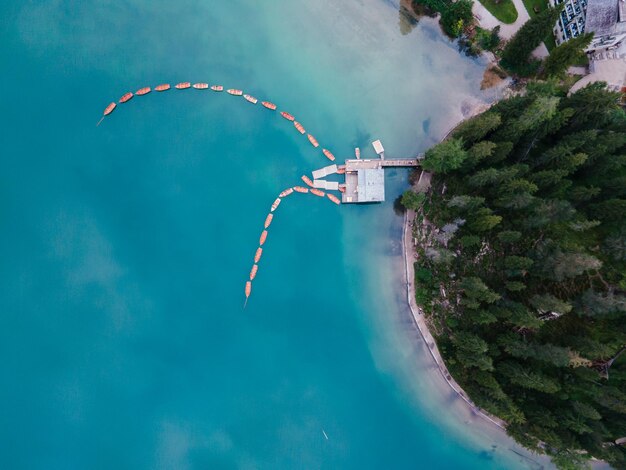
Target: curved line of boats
{"type": "Point", "coordinates": [271, 106]}
{"type": "Point", "coordinates": [268, 220]}
{"type": "Point", "coordinates": [231, 91]}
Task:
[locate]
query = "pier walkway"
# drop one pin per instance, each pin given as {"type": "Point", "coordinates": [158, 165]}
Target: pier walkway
{"type": "Point", "coordinates": [365, 179]}
{"type": "Point", "coordinates": [376, 163]}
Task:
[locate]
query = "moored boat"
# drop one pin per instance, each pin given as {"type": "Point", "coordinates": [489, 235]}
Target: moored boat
{"type": "Point", "coordinates": [217, 88]}
{"type": "Point", "coordinates": [341, 170]}
{"type": "Point", "coordinates": [308, 181]}
{"type": "Point", "coordinates": [253, 271]}
{"type": "Point", "coordinates": [263, 237]}
{"type": "Point", "coordinates": [328, 155]}
{"type": "Point", "coordinates": [257, 255]}
{"type": "Point", "coordinates": [317, 192]}
{"type": "Point", "coordinates": [286, 192]}
{"type": "Point", "coordinates": [313, 141]}
{"type": "Point", "coordinates": [201, 86]}
{"type": "Point", "coordinates": [251, 99]}
{"type": "Point", "coordinates": [269, 105]}
{"type": "Point", "coordinates": [333, 198]}
{"type": "Point", "coordinates": [109, 109]}
{"type": "Point", "coordinates": [163, 87]}
{"type": "Point", "coordinates": [234, 92]}
{"type": "Point", "coordinates": [276, 204]}
{"type": "Point", "coordinates": [248, 292]}
{"type": "Point", "coordinates": [126, 97]}
{"type": "Point", "coordinates": [268, 220]}
{"type": "Point", "coordinates": [300, 189]}
{"type": "Point", "coordinates": [287, 116]}
{"type": "Point", "coordinates": [299, 126]}
{"type": "Point", "coordinates": [143, 91]}
{"type": "Point", "coordinates": [357, 152]}
{"type": "Point", "coordinates": [183, 85]}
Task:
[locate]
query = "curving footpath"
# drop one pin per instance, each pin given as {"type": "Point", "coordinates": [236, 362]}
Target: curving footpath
{"type": "Point", "coordinates": [507, 31]}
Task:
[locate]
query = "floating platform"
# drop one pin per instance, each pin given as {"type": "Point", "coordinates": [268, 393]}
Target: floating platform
{"type": "Point", "coordinates": [323, 172]}
{"type": "Point", "coordinates": [327, 185]}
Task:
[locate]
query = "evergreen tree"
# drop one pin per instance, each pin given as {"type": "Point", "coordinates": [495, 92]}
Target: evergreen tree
{"type": "Point", "coordinates": [412, 200]}
{"type": "Point", "coordinates": [525, 377]}
{"type": "Point", "coordinates": [484, 220]}
{"type": "Point", "coordinates": [565, 55]}
{"type": "Point", "coordinates": [517, 52]}
{"type": "Point", "coordinates": [445, 157]}
{"type": "Point", "coordinates": [478, 127]}
{"type": "Point", "coordinates": [456, 16]}
{"type": "Point", "coordinates": [547, 303]}
{"type": "Point", "coordinates": [477, 153]}
{"type": "Point", "coordinates": [509, 236]}
{"type": "Point", "coordinates": [531, 325]}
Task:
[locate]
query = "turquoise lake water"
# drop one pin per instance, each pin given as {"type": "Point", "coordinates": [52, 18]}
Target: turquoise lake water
{"type": "Point", "coordinates": [126, 247]}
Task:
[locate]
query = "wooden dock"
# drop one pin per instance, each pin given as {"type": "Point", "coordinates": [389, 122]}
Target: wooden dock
{"type": "Point", "coordinates": [365, 178]}
{"type": "Point", "coordinates": [376, 163]}
{"type": "Point", "coordinates": [400, 162]}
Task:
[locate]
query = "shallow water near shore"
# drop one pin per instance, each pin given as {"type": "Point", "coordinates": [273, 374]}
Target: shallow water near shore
{"type": "Point", "coordinates": [127, 245]}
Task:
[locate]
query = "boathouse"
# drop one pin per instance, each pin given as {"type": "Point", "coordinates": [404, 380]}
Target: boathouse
{"type": "Point", "coordinates": [365, 181]}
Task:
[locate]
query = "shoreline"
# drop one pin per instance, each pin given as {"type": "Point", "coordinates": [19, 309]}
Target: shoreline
{"type": "Point", "coordinates": [420, 322]}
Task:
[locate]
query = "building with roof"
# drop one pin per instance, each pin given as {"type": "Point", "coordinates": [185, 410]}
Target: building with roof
{"type": "Point", "coordinates": [571, 22]}
{"type": "Point", "coordinates": [365, 181]}
{"type": "Point", "coordinates": [364, 178]}
{"type": "Point", "coordinates": [607, 20]}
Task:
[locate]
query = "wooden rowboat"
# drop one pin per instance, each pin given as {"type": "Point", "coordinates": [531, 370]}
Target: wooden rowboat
{"type": "Point", "coordinates": [126, 97]}
{"type": "Point", "coordinates": [333, 198]}
{"type": "Point", "coordinates": [109, 109]}
{"type": "Point", "coordinates": [276, 204]}
{"type": "Point", "coordinates": [308, 181]}
{"type": "Point", "coordinates": [299, 126]}
{"type": "Point", "coordinates": [250, 99]}
{"type": "Point", "coordinates": [253, 271]}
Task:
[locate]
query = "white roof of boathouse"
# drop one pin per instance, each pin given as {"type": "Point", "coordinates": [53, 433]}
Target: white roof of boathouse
{"type": "Point", "coordinates": [371, 185]}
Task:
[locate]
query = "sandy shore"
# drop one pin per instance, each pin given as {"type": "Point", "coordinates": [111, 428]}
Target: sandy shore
{"type": "Point", "coordinates": [420, 322]}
